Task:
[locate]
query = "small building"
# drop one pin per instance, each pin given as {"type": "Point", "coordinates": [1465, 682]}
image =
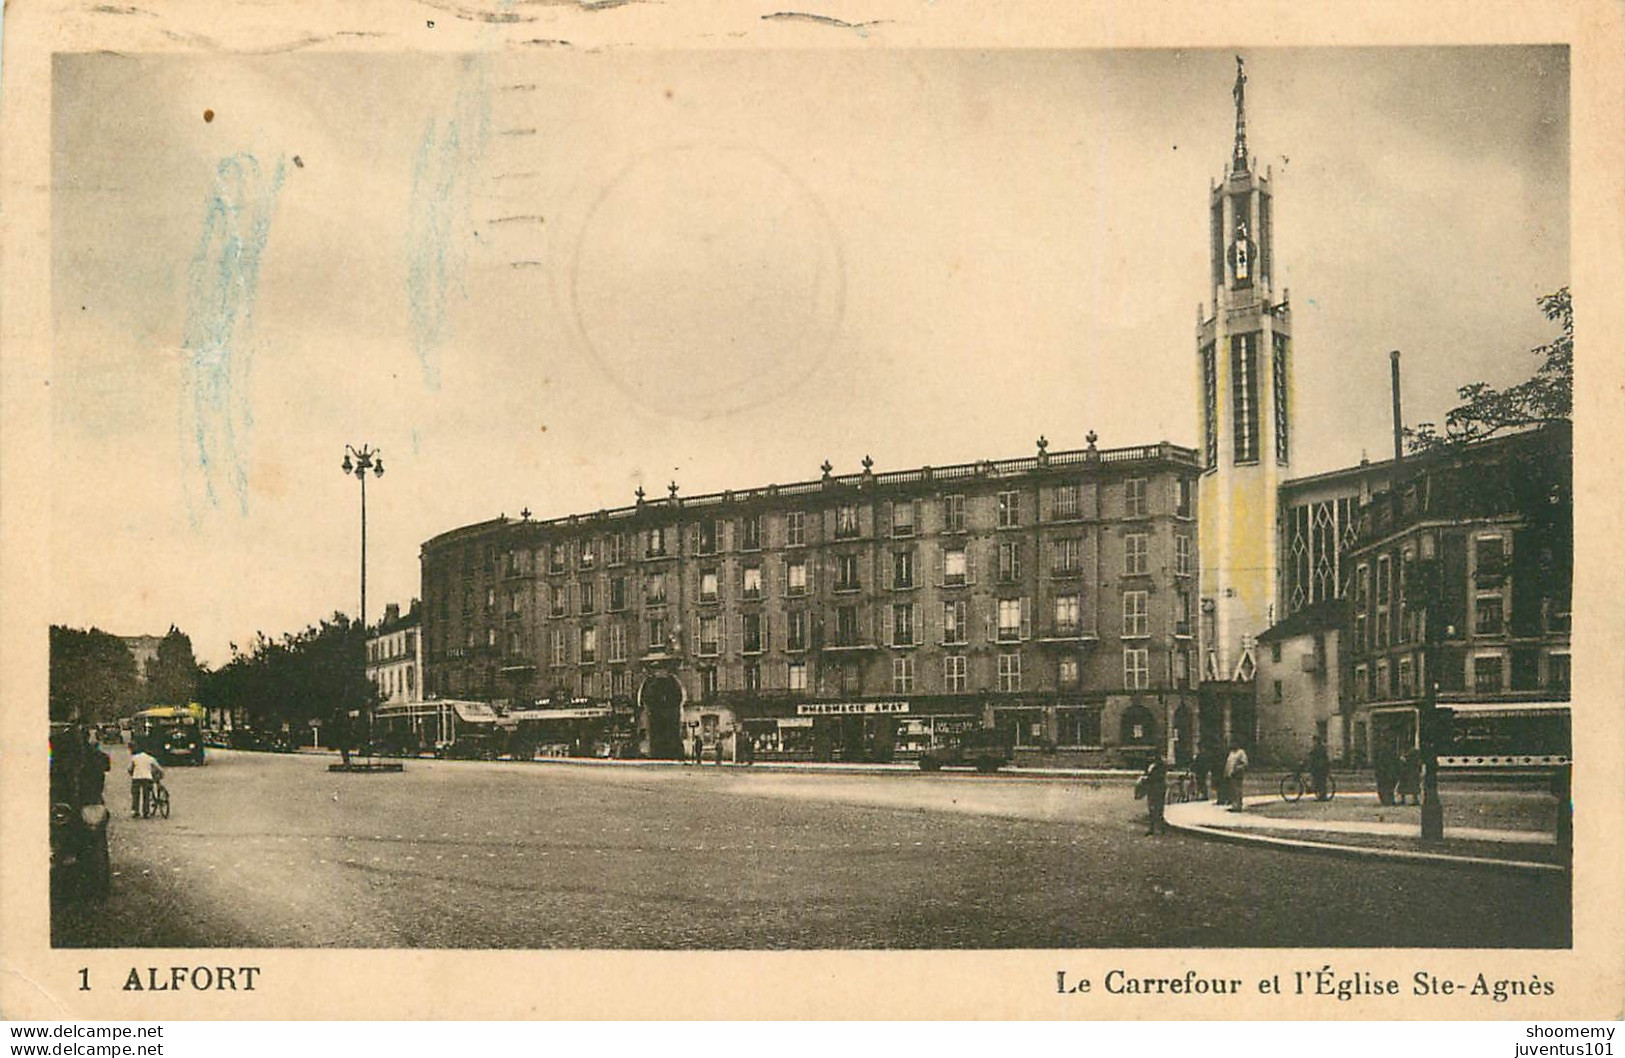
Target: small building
{"type": "Point", "coordinates": [1299, 685]}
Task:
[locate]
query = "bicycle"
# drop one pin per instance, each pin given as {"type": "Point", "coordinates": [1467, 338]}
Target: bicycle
{"type": "Point", "coordinates": [1181, 787]}
{"type": "Point", "coordinates": [160, 799]}
{"type": "Point", "coordinates": [1298, 783]}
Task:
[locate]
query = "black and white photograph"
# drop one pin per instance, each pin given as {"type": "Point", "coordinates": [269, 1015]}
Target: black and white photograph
{"type": "Point", "coordinates": [949, 498]}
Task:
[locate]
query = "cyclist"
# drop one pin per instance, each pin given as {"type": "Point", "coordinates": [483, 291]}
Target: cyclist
{"type": "Point", "coordinates": [1320, 766]}
{"type": "Point", "coordinates": [144, 771]}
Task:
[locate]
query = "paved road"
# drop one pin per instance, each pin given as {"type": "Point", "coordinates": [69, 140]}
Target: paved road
{"type": "Point", "coordinates": [273, 851]}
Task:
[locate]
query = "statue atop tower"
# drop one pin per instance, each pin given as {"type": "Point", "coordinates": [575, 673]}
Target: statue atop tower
{"type": "Point", "coordinates": [1238, 160]}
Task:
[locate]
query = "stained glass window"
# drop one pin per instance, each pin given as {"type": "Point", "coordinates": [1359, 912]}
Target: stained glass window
{"type": "Point", "coordinates": [1280, 400]}
{"type": "Point", "coordinates": [1244, 376]}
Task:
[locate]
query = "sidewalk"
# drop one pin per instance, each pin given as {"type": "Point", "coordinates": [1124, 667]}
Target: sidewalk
{"type": "Point", "coordinates": [1319, 826]}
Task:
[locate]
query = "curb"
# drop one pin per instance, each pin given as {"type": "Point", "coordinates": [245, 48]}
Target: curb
{"type": "Point", "coordinates": [1330, 848]}
{"type": "Point", "coordinates": [837, 768]}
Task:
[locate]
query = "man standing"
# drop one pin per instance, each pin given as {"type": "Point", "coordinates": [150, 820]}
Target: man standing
{"type": "Point", "coordinates": [144, 771]}
{"type": "Point", "coordinates": [1320, 766]}
{"type": "Point", "coordinates": [1154, 784]}
{"type": "Point", "coordinates": [1235, 769]}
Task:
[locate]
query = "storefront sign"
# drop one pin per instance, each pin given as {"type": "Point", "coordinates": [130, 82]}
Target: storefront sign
{"type": "Point", "coordinates": [587, 713]}
{"type": "Point", "coordinates": [800, 721]}
{"type": "Point", "coordinates": [842, 708]}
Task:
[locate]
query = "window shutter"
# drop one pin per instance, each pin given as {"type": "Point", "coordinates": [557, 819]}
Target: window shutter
{"type": "Point", "coordinates": [739, 635]}
{"type": "Point", "coordinates": [693, 539]}
{"type": "Point", "coordinates": [918, 529]}
{"type": "Point", "coordinates": [1015, 560]}
{"type": "Point", "coordinates": [942, 573]}
{"type": "Point", "coordinates": [919, 626]}
{"type": "Point", "coordinates": [1026, 617]}
{"type": "Point", "coordinates": [970, 564]}
{"type": "Point", "coordinates": [767, 632]}
{"type": "Point", "coordinates": [988, 620]}
{"type": "Point", "coordinates": [812, 579]}
{"type": "Point", "coordinates": [887, 514]}
{"type": "Point", "coordinates": [889, 624]}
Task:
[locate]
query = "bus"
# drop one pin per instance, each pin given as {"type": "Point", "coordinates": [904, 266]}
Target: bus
{"type": "Point", "coordinates": [171, 733]}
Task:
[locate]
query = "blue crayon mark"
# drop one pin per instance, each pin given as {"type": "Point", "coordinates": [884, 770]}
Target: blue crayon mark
{"type": "Point", "coordinates": [222, 284]}
{"type": "Point", "coordinates": [451, 146]}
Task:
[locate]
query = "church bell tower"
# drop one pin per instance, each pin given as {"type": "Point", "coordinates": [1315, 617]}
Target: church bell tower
{"type": "Point", "coordinates": [1244, 357]}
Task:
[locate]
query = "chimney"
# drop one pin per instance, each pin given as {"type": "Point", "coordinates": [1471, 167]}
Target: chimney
{"type": "Point", "coordinates": [1399, 420]}
{"type": "Point", "coordinates": [392, 613]}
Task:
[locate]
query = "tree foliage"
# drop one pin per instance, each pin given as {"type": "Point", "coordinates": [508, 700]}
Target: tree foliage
{"type": "Point", "coordinates": [172, 675]}
{"type": "Point", "coordinates": [93, 676]}
{"type": "Point", "coordinates": [317, 674]}
{"type": "Point", "coordinates": [1546, 397]}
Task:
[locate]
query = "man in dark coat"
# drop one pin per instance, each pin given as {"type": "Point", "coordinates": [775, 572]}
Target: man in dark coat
{"type": "Point", "coordinates": [1320, 766]}
{"type": "Point", "coordinates": [1154, 784]}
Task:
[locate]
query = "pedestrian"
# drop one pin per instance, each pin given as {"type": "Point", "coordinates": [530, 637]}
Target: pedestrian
{"type": "Point", "coordinates": [1235, 769]}
{"type": "Point", "coordinates": [1320, 766]}
{"type": "Point", "coordinates": [1154, 785]}
{"type": "Point", "coordinates": [144, 771]}
{"type": "Point", "coordinates": [747, 746]}
{"type": "Point", "coordinates": [1387, 776]}
{"type": "Point", "coordinates": [699, 748]}
{"type": "Point", "coordinates": [1410, 779]}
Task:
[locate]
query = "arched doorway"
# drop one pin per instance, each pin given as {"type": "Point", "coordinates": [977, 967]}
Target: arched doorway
{"type": "Point", "coordinates": [661, 699]}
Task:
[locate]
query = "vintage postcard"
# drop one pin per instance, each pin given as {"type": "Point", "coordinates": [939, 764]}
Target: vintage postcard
{"type": "Point", "coordinates": [890, 511]}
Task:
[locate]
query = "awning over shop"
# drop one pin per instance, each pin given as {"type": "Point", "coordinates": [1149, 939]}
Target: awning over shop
{"type": "Point", "coordinates": [474, 712]}
{"type": "Point", "coordinates": [1507, 708]}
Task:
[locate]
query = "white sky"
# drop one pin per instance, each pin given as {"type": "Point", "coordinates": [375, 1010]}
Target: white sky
{"type": "Point", "coordinates": [543, 279]}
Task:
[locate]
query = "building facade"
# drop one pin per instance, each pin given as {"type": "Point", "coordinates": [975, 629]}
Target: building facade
{"type": "Point", "coordinates": [1299, 685]}
{"type": "Point", "coordinates": [1462, 575]}
{"type": "Point", "coordinates": [395, 656]}
{"type": "Point", "coordinates": [855, 616]}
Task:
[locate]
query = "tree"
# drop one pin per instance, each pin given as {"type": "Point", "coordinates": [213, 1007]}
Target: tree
{"type": "Point", "coordinates": [172, 675]}
{"type": "Point", "coordinates": [92, 675]}
{"type": "Point", "coordinates": [1547, 397]}
{"type": "Point", "coordinates": [318, 673]}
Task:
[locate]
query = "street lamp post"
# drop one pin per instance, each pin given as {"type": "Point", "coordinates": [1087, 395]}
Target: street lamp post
{"type": "Point", "coordinates": [1432, 720]}
{"type": "Point", "coordinates": [359, 461]}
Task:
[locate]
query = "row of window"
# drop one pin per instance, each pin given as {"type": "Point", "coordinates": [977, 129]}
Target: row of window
{"type": "Point", "coordinates": [396, 682]}
{"type": "Point", "coordinates": [850, 679]}
{"type": "Point", "coordinates": [1489, 675]}
{"type": "Point", "coordinates": [1385, 596]}
{"type": "Point", "coordinates": [900, 623]}
{"type": "Point", "coordinates": [956, 568]}
{"type": "Point", "coordinates": [706, 536]}
{"type": "Point", "coordinates": [400, 645]}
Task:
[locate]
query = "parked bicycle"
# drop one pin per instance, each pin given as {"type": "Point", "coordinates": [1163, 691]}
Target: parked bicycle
{"type": "Point", "coordinates": [1300, 782]}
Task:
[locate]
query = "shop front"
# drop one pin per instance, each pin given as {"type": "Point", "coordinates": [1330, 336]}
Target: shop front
{"type": "Point", "coordinates": [581, 727]}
